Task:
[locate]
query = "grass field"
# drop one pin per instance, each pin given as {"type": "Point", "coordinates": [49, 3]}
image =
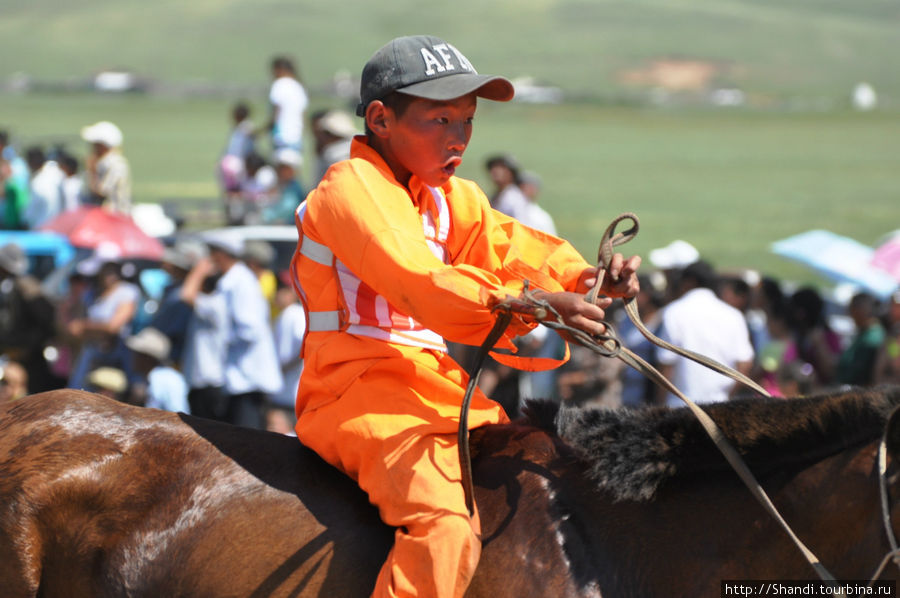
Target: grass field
{"type": "Point", "coordinates": [773, 50]}
{"type": "Point", "coordinates": [730, 182]}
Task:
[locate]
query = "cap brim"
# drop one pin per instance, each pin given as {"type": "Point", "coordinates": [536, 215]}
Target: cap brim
{"type": "Point", "coordinates": [489, 87]}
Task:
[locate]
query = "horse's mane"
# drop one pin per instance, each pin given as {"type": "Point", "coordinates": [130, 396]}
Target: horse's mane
{"type": "Point", "coordinates": [632, 453]}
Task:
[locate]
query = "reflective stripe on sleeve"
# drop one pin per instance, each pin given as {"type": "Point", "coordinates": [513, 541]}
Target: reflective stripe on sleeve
{"type": "Point", "coordinates": [316, 251]}
{"type": "Point", "coordinates": [324, 321]}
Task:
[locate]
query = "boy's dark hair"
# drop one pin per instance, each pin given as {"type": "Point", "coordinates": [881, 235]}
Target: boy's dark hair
{"type": "Point", "coordinates": [4, 138]}
{"type": "Point", "coordinates": [398, 102]}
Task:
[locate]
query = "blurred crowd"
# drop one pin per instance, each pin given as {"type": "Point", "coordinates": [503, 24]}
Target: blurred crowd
{"type": "Point", "coordinates": [222, 339]}
{"type": "Point", "coordinates": [49, 181]}
{"type": "Point", "coordinates": [793, 341]}
{"type": "Point", "coordinates": [266, 190]}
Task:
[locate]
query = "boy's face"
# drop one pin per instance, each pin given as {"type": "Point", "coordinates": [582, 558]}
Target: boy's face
{"type": "Point", "coordinates": [428, 139]}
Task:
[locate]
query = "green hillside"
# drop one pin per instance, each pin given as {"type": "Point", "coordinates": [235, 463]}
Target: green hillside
{"type": "Point", "coordinates": [730, 181]}
{"type": "Point", "coordinates": [771, 49]}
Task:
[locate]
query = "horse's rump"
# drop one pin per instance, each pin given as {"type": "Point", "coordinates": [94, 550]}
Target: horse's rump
{"type": "Point", "coordinates": [105, 499]}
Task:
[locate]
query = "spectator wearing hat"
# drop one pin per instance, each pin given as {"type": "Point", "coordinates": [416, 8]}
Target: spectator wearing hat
{"type": "Point", "coordinates": [14, 183]}
{"type": "Point", "coordinates": [333, 131]}
{"type": "Point", "coordinates": [110, 312]}
{"type": "Point", "coordinates": [108, 381]}
{"type": "Point", "coordinates": [290, 191]}
{"type": "Point", "coordinates": [174, 314]}
{"type": "Point", "coordinates": [701, 322]}
{"type": "Point", "coordinates": [671, 260]}
{"type": "Point", "coordinates": [108, 176]}
{"type": "Point", "coordinates": [251, 364]}
{"type": "Point", "coordinates": [158, 385]}
{"type": "Point", "coordinates": [26, 317]}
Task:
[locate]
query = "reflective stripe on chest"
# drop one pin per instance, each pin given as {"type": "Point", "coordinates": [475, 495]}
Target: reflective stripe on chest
{"type": "Point", "coordinates": [369, 313]}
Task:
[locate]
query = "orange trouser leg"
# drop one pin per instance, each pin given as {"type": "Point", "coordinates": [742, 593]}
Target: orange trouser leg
{"type": "Point", "coordinates": [387, 437]}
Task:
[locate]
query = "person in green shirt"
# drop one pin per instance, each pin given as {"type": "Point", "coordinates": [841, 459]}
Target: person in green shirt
{"type": "Point", "coordinates": [857, 362]}
{"type": "Point", "coordinates": [14, 180]}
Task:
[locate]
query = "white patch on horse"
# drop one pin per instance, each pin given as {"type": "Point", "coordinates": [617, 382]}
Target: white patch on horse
{"type": "Point", "coordinates": [206, 499]}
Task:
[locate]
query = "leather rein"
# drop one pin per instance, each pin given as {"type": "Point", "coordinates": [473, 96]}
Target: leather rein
{"type": "Point", "coordinates": [609, 345]}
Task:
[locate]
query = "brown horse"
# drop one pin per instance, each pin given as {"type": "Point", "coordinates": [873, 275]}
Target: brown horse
{"type": "Point", "coordinates": [102, 499]}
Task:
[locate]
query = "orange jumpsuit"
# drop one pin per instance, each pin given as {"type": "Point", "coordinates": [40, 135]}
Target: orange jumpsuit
{"type": "Point", "coordinates": [386, 273]}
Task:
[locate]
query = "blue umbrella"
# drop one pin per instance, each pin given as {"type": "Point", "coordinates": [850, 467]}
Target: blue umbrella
{"type": "Point", "coordinates": [838, 258]}
{"type": "Point", "coordinates": [45, 251]}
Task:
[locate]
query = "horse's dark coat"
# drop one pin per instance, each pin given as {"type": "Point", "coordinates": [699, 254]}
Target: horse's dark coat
{"type": "Point", "coordinates": [632, 453]}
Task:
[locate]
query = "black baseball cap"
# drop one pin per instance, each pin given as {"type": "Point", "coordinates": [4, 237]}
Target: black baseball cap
{"type": "Point", "coordinates": [426, 67]}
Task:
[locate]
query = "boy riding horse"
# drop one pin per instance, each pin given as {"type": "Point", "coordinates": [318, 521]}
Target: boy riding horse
{"type": "Point", "coordinates": [397, 254]}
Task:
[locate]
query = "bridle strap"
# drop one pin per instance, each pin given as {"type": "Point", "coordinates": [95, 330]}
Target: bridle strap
{"type": "Point", "coordinates": [894, 553]}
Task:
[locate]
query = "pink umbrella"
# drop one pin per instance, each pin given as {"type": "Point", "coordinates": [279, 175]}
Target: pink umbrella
{"type": "Point", "coordinates": [887, 257]}
{"type": "Point", "coordinates": [88, 226]}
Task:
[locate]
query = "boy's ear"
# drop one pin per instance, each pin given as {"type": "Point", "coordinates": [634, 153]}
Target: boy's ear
{"type": "Point", "coordinates": [379, 118]}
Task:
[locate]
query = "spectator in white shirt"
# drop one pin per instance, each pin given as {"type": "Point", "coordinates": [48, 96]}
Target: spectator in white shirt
{"type": "Point", "coordinates": [534, 215]}
{"type": "Point", "coordinates": [701, 322]}
{"type": "Point", "coordinates": [288, 102]}
{"type": "Point", "coordinates": [45, 188]}
{"type": "Point", "coordinates": [205, 343]}
{"type": "Point", "coordinates": [251, 363]}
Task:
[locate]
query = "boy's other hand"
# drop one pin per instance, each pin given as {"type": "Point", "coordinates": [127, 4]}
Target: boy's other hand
{"type": "Point", "coordinates": [620, 281]}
